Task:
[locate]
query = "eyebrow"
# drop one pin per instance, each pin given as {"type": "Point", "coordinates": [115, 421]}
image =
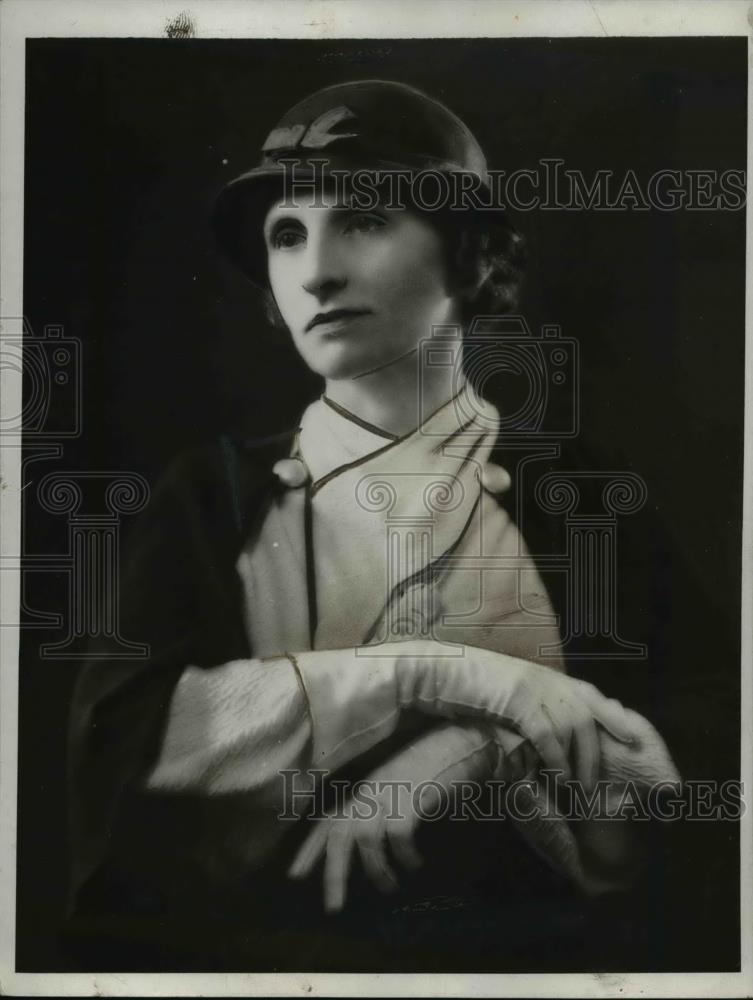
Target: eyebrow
{"type": "Point", "coordinates": [342, 207]}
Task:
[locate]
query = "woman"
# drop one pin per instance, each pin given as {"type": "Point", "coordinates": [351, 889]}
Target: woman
{"type": "Point", "coordinates": [320, 601]}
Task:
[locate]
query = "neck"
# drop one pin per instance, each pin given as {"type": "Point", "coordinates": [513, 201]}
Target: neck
{"type": "Point", "coordinates": [399, 397]}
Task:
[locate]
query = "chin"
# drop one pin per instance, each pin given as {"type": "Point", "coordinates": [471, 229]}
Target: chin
{"type": "Point", "coordinates": [346, 365]}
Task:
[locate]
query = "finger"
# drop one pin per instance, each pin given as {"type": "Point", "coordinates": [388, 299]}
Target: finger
{"type": "Point", "coordinates": [376, 866]}
{"type": "Point", "coordinates": [521, 759]}
{"type": "Point", "coordinates": [586, 752]}
{"type": "Point", "coordinates": [402, 845]}
{"type": "Point", "coordinates": [538, 728]}
{"type": "Point", "coordinates": [371, 840]}
{"type": "Point", "coordinates": [561, 717]}
{"type": "Point", "coordinates": [576, 730]}
{"type": "Point", "coordinates": [310, 851]}
{"type": "Point", "coordinates": [429, 800]}
{"type": "Point", "coordinates": [515, 763]}
{"type": "Point", "coordinates": [495, 478]}
{"type": "Point", "coordinates": [608, 712]}
{"type": "Point", "coordinates": [337, 867]}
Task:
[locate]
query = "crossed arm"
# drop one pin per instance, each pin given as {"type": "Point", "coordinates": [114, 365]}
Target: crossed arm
{"type": "Point", "coordinates": [209, 729]}
{"type": "Point", "coordinates": [235, 727]}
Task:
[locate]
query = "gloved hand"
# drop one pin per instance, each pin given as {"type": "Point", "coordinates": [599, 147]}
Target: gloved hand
{"type": "Point", "coordinates": [596, 852]}
{"type": "Point", "coordinates": [356, 696]}
{"type": "Point", "coordinates": [383, 810]}
{"type": "Point", "coordinates": [598, 849]}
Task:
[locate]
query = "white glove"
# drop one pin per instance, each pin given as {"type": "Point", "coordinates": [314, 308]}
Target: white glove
{"type": "Point", "coordinates": [356, 697]}
{"type": "Point", "coordinates": [385, 813]}
{"type": "Point", "coordinates": [598, 854]}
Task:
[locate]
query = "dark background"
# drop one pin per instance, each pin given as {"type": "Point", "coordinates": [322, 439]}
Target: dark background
{"type": "Point", "coordinates": [126, 142]}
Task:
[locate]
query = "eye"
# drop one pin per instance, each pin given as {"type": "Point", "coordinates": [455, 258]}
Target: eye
{"type": "Point", "coordinates": [286, 235]}
{"type": "Point", "coordinates": [365, 222]}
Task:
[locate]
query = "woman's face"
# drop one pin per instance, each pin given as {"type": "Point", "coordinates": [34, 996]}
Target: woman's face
{"type": "Point", "coordinates": [357, 290]}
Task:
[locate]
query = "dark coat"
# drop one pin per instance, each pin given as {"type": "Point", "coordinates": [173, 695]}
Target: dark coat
{"type": "Point", "coordinates": [154, 884]}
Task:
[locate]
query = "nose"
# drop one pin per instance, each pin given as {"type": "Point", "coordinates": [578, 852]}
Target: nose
{"type": "Point", "coordinates": [325, 266]}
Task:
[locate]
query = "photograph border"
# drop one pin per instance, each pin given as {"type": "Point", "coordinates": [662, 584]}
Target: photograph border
{"type": "Point", "coordinates": [319, 19]}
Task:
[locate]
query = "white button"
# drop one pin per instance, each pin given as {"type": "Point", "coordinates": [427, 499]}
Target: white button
{"type": "Point", "coordinates": [291, 471]}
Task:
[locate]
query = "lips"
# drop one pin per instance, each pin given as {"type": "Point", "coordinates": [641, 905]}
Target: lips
{"type": "Point", "coordinates": [334, 315]}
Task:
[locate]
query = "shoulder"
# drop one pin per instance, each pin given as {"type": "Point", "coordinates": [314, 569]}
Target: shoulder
{"type": "Point", "coordinates": [228, 461]}
{"type": "Point", "coordinates": [216, 488]}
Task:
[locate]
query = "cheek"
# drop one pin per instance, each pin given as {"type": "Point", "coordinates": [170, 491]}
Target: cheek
{"type": "Point", "coordinates": [409, 274]}
{"type": "Point", "coordinates": [283, 285]}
